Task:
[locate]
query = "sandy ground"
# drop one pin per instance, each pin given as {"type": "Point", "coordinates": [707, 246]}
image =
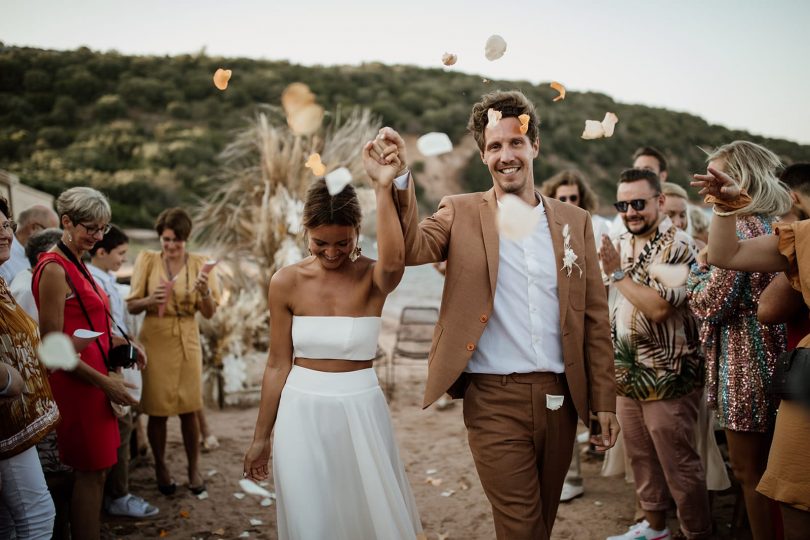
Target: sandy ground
{"type": "Point", "coordinates": [433, 443]}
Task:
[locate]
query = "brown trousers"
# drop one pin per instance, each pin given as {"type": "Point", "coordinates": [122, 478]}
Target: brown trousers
{"type": "Point", "coordinates": [521, 448]}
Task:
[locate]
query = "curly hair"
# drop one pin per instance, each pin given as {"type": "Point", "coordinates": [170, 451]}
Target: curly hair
{"type": "Point", "coordinates": [511, 104]}
{"type": "Point", "coordinates": [572, 177]}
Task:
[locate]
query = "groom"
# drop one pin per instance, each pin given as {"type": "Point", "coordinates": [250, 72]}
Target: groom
{"type": "Point", "coordinates": [522, 337]}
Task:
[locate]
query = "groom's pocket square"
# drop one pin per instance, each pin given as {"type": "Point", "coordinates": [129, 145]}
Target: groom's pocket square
{"type": "Point", "coordinates": [554, 402]}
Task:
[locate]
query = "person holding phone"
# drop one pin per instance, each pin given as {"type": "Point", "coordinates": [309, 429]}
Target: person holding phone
{"type": "Point", "coordinates": [172, 285]}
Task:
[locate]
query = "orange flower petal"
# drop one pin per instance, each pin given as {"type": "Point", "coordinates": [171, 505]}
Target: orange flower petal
{"type": "Point", "coordinates": [163, 533]}
{"type": "Point", "coordinates": [184, 514]}
{"type": "Point", "coordinates": [524, 123]}
{"type": "Point", "coordinates": [559, 88]}
{"type": "Point", "coordinates": [448, 59]}
{"type": "Point", "coordinates": [221, 78]}
{"type": "Point", "coordinates": [296, 96]}
{"type": "Point", "coordinates": [306, 120]}
{"type": "Point", "coordinates": [314, 163]}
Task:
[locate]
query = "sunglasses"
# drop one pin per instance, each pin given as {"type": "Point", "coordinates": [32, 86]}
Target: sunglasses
{"type": "Point", "coordinates": [637, 204]}
{"type": "Point", "coordinates": [568, 198]}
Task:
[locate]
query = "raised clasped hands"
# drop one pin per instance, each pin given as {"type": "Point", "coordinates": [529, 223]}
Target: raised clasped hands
{"type": "Point", "coordinates": [718, 184]}
{"type": "Point", "coordinates": [384, 157]}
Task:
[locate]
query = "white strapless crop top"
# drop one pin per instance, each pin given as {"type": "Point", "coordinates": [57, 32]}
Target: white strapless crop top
{"type": "Point", "coordinates": [339, 338]}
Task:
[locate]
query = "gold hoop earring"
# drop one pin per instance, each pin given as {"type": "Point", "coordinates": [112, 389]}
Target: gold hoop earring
{"type": "Point", "coordinates": [355, 254]}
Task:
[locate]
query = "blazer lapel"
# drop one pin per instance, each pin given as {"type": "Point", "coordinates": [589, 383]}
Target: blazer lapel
{"type": "Point", "coordinates": [555, 226]}
{"type": "Point", "coordinates": [489, 229]}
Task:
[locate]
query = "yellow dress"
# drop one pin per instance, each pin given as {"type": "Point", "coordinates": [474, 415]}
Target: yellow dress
{"type": "Point", "coordinates": [787, 478]}
{"type": "Point", "coordinates": [172, 380]}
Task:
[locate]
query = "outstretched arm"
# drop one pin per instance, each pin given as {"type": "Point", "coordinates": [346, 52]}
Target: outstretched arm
{"type": "Point", "coordinates": [390, 263]}
{"type": "Point", "coordinates": [780, 302]}
{"type": "Point", "coordinates": [279, 364]}
{"type": "Point", "coordinates": [725, 250]}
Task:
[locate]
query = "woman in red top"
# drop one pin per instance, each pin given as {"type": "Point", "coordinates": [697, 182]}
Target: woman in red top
{"type": "Point", "coordinates": [68, 299]}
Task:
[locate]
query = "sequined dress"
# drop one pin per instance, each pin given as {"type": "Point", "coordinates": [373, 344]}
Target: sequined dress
{"type": "Point", "coordinates": [740, 352]}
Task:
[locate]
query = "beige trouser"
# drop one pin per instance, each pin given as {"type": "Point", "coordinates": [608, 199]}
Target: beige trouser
{"type": "Point", "coordinates": [659, 441]}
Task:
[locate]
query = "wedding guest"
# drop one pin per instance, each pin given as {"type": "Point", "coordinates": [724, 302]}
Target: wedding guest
{"type": "Point", "coordinates": [21, 286]}
{"type": "Point", "coordinates": [27, 413]}
{"type": "Point", "coordinates": [336, 465]}
{"type": "Point", "coordinates": [740, 352]}
{"type": "Point", "coordinates": [651, 159]}
{"type": "Point", "coordinates": [659, 365]}
{"type": "Point", "coordinates": [68, 299]}
{"type": "Point", "coordinates": [787, 478]}
{"type": "Point", "coordinates": [107, 256]}
{"type": "Point", "coordinates": [171, 287]}
{"type": "Point", "coordinates": [30, 221]}
{"type": "Point", "coordinates": [797, 178]}
{"type": "Point", "coordinates": [570, 186]}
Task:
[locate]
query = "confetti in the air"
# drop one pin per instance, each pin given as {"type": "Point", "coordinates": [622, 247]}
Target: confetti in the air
{"type": "Point", "coordinates": [337, 180]}
{"type": "Point", "coordinates": [495, 47]}
{"type": "Point", "coordinates": [434, 144]}
{"type": "Point", "coordinates": [304, 116]}
{"type": "Point", "coordinates": [314, 163]}
{"type": "Point", "coordinates": [493, 117]}
{"type": "Point", "coordinates": [56, 352]}
{"type": "Point", "coordinates": [559, 88]}
{"type": "Point", "coordinates": [670, 275]}
{"type": "Point", "coordinates": [516, 219]}
{"type": "Point", "coordinates": [598, 130]}
{"type": "Point", "coordinates": [221, 78]}
{"type": "Point", "coordinates": [449, 59]}
{"type": "Point", "coordinates": [524, 123]}
{"type": "Point", "coordinates": [252, 488]}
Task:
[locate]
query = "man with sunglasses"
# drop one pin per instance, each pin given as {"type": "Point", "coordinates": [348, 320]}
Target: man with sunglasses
{"type": "Point", "coordinates": [659, 366]}
{"type": "Point", "coordinates": [30, 221]}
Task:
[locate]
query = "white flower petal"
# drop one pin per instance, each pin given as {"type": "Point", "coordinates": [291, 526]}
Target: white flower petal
{"type": "Point", "coordinates": [56, 352]}
{"type": "Point", "coordinates": [609, 123]}
{"type": "Point", "coordinates": [516, 219]}
{"type": "Point", "coordinates": [434, 144]}
{"type": "Point", "coordinates": [593, 130]}
{"type": "Point", "coordinates": [495, 47]}
{"type": "Point", "coordinates": [670, 275]}
{"type": "Point", "coordinates": [337, 180]}
{"type": "Point", "coordinates": [252, 488]}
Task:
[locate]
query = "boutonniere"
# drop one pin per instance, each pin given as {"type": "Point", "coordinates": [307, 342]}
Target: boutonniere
{"type": "Point", "coordinates": [569, 257]}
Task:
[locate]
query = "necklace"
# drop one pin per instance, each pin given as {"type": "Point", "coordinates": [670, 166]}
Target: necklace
{"type": "Point", "coordinates": [171, 278]}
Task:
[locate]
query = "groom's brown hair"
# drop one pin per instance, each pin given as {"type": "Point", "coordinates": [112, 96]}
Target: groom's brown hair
{"type": "Point", "coordinates": [511, 104]}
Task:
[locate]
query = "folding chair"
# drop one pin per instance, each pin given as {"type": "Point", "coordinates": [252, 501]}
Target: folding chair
{"type": "Point", "coordinates": [414, 336]}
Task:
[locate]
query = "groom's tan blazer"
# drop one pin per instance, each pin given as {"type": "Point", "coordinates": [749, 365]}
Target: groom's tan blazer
{"type": "Point", "coordinates": [463, 231]}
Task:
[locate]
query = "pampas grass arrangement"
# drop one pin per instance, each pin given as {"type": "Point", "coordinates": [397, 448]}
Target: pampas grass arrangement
{"type": "Point", "coordinates": [252, 221]}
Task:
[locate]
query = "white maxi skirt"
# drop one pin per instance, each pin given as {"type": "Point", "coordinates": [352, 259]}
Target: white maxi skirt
{"type": "Point", "coordinates": [336, 466]}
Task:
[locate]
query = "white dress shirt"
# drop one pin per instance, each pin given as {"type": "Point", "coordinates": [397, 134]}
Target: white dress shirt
{"type": "Point", "coordinates": [16, 262]}
{"type": "Point", "coordinates": [21, 291]}
{"type": "Point", "coordinates": [523, 331]}
{"type": "Point", "coordinates": [117, 309]}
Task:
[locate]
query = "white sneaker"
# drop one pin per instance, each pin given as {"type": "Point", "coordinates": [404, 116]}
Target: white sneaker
{"type": "Point", "coordinates": [642, 531]}
{"type": "Point", "coordinates": [570, 491]}
{"type": "Point", "coordinates": [131, 506]}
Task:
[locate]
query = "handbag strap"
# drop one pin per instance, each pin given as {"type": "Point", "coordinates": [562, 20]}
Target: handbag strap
{"type": "Point", "coordinates": [87, 276]}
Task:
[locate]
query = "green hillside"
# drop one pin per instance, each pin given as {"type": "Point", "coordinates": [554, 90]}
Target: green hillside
{"type": "Point", "coordinates": [147, 130]}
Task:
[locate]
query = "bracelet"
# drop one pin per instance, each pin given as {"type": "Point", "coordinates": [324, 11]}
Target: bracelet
{"type": "Point", "coordinates": [722, 213]}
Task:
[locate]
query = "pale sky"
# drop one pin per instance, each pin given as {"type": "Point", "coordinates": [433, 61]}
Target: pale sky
{"type": "Point", "coordinates": [739, 63]}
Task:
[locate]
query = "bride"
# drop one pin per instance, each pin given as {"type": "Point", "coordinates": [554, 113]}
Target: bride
{"type": "Point", "coordinates": [336, 466]}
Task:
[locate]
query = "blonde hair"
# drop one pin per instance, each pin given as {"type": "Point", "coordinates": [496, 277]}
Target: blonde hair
{"type": "Point", "coordinates": [674, 190]}
{"type": "Point", "coordinates": [83, 204]}
{"type": "Point", "coordinates": [698, 221]}
{"type": "Point", "coordinates": [754, 167]}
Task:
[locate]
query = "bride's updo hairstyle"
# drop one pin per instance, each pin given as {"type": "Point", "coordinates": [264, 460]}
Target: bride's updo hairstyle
{"type": "Point", "coordinates": [321, 208]}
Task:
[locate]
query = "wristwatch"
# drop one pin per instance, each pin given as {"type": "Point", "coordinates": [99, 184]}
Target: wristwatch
{"type": "Point", "coordinates": [617, 275]}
